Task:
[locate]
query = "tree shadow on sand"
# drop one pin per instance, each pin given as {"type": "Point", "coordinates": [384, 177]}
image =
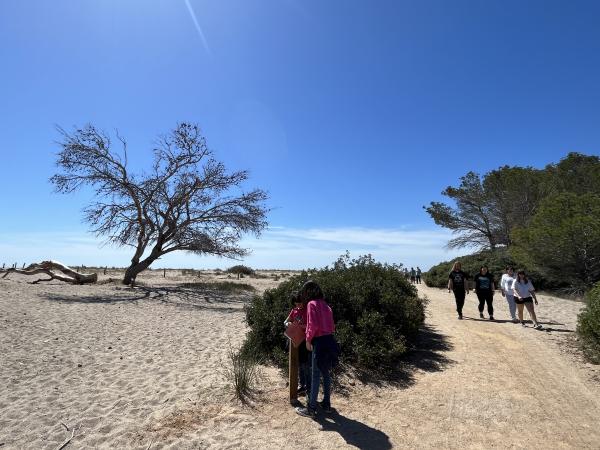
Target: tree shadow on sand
{"type": "Point", "coordinates": [355, 433]}
{"type": "Point", "coordinates": [184, 296]}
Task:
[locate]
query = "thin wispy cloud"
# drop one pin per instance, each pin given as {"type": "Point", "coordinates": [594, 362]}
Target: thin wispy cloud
{"type": "Point", "coordinates": [197, 25]}
{"type": "Point", "coordinates": [278, 247]}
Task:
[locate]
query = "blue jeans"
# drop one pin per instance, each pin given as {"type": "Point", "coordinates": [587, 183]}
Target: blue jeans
{"type": "Point", "coordinates": [305, 375]}
{"type": "Point", "coordinates": [316, 379]}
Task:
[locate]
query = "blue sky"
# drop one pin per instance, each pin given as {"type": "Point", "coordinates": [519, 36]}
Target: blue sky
{"type": "Point", "coordinates": [351, 114]}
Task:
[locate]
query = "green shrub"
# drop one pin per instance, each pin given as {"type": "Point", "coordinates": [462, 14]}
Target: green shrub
{"type": "Point", "coordinates": [588, 325]}
{"type": "Point", "coordinates": [496, 261]}
{"type": "Point", "coordinates": [240, 270]}
{"type": "Point", "coordinates": [376, 310]}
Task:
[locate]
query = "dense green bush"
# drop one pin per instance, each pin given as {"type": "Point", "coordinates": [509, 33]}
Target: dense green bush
{"type": "Point", "coordinates": [496, 261]}
{"type": "Point", "coordinates": [588, 325]}
{"type": "Point", "coordinates": [563, 239]}
{"type": "Point", "coordinates": [375, 308]}
{"type": "Point", "coordinates": [240, 270]}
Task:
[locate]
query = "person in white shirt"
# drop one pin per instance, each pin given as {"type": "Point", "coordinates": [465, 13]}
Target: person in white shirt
{"type": "Point", "coordinates": [506, 288]}
{"type": "Point", "coordinates": [525, 295]}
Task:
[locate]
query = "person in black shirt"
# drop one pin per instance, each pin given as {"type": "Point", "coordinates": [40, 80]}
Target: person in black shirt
{"type": "Point", "coordinates": [484, 288]}
{"type": "Point", "coordinates": [458, 284]}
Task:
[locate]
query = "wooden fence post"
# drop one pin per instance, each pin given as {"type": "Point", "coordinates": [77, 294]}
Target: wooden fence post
{"type": "Point", "coordinates": [293, 369]}
{"type": "Point", "coordinates": [164, 273]}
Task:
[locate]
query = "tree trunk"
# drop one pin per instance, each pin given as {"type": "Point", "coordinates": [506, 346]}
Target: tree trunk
{"type": "Point", "coordinates": [136, 268]}
{"type": "Point", "coordinates": [49, 268]}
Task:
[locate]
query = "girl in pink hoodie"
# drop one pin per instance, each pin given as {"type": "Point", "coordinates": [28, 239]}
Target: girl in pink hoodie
{"type": "Point", "coordinates": [319, 339]}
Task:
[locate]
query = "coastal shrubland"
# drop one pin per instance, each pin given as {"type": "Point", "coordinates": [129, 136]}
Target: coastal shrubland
{"type": "Point", "coordinates": [376, 310]}
{"type": "Point", "coordinates": [588, 325]}
{"type": "Point", "coordinates": [546, 221]}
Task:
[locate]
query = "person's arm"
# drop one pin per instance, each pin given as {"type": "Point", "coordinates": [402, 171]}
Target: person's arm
{"type": "Point", "coordinates": [532, 292]}
{"type": "Point", "coordinates": [311, 312]}
{"type": "Point", "coordinates": [286, 322]}
{"type": "Point", "coordinates": [450, 284]}
{"type": "Point", "coordinates": [515, 291]}
{"type": "Point", "coordinates": [503, 285]}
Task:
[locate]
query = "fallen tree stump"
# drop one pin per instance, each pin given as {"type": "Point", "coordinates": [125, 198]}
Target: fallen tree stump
{"type": "Point", "coordinates": [51, 268]}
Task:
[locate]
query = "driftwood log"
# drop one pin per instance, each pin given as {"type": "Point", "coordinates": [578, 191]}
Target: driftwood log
{"type": "Point", "coordinates": [52, 269]}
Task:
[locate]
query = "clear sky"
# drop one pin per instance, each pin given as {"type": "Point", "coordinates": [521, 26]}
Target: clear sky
{"type": "Point", "coordinates": [351, 114]}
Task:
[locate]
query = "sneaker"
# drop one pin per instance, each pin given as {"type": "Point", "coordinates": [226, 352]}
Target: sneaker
{"type": "Point", "coordinates": [301, 391]}
{"type": "Point", "coordinates": [325, 407]}
{"type": "Point", "coordinates": [306, 411]}
{"type": "Point", "coordinates": [515, 320]}
{"type": "Point", "coordinates": [491, 317]}
{"type": "Point", "coordinates": [481, 315]}
{"type": "Point", "coordinates": [460, 317]}
{"type": "Point", "coordinates": [538, 326]}
{"type": "Point", "coordinates": [523, 324]}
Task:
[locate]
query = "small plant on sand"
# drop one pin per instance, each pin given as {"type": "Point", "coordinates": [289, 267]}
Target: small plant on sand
{"type": "Point", "coordinates": [242, 372]}
{"type": "Point", "coordinates": [588, 325]}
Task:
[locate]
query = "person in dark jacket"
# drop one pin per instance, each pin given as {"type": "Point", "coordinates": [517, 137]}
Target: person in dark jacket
{"type": "Point", "coordinates": [485, 288]}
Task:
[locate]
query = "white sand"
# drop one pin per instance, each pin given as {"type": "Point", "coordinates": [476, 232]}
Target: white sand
{"type": "Point", "coordinates": [134, 371]}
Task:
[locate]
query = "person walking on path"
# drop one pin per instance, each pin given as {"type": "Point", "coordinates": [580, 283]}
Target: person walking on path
{"type": "Point", "coordinates": [319, 339]}
{"type": "Point", "coordinates": [413, 275]}
{"type": "Point", "coordinates": [506, 288]}
{"type": "Point", "coordinates": [525, 296]}
{"type": "Point", "coordinates": [484, 288]}
{"type": "Point", "coordinates": [458, 284]}
{"type": "Point", "coordinates": [419, 275]}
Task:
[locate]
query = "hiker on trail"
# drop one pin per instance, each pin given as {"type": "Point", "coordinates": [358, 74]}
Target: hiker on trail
{"type": "Point", "coordinates": [413, 275]}
{"type": "Point", "coordinates": [484, 288]}
{"type": "Point", "coordinates": [506, 288]}
{"type": "Point", "coordinates": [525, 296]}
{"type": "Point", "coordinates": [319, 340]}
{"type": "Point", "coordinates": [418, 275]}
{"type": "Point", "coordinates": [458, 284]}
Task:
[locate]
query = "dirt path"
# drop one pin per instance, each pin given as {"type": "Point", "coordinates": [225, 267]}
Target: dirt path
{"type": "Point", "coordinates": [504, 385]}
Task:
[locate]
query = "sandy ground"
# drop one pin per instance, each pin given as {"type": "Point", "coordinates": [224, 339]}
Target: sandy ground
{"type": "Point", "coordinates": [144, 368]}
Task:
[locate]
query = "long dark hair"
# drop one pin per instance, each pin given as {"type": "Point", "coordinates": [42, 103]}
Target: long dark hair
{"type": "Point", "coordinates": [310, 291]}
{"type": "Point", "coordinates": [522, 272]}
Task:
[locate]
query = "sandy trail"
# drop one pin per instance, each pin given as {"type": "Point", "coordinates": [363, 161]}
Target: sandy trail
{"type": "Point", "coordinates": [136, 371]}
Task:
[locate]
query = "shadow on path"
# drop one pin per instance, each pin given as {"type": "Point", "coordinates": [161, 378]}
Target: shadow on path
{"type": "Point", "coordinates": [426, 354]}
{"type": "Point", "coordinates": [355, 433]}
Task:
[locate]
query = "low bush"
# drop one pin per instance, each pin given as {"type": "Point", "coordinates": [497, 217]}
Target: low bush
{"type": "Point", "coordinates": [496, 261]}
{"type": "Point", "coordinates": [240, 270]}
{"type": "Point", "coordinates": [376, 310]}
{"type": "Point", "coordinates": [588, 325]}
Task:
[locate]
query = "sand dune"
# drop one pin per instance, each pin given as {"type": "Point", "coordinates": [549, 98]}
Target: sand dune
{"type": "Point", "coordinates": [143, 368]}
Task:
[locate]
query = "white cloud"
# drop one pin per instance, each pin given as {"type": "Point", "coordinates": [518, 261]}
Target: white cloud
{"type": "Point", "coordinates": [278, 247]}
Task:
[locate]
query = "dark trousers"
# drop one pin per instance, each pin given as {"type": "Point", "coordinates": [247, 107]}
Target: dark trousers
{"type": "Point", "coordinates": [486, 297]}
{"type": "Point", "coordinates": [459, 296]}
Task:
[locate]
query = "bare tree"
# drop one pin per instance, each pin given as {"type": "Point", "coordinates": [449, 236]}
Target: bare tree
{"type": "Point", "coordinates": [184, 202]}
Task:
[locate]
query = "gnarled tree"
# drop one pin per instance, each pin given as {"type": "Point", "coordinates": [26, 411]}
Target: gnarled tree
{"type": "Point", "coordinates": [471, 219]}
{"type": "Point", "coordinates": [186, 201]}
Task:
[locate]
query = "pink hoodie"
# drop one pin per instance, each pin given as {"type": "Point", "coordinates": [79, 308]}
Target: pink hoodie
{"type": "Point", "coordinates": [319, 319]}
